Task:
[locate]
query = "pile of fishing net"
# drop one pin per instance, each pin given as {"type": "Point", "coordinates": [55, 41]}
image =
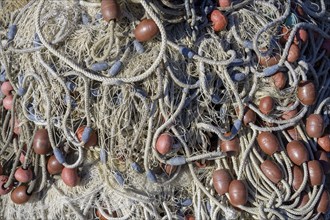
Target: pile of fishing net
{"type": "Point", "coordinates": [171, 109]}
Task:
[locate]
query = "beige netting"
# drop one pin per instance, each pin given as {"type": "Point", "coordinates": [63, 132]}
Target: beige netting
{"type": "Point", "coordinates": [108, 99]}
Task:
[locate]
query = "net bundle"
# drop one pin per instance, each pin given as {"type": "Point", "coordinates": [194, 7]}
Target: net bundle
{"type": "Point", "coordinates": [145, 109]}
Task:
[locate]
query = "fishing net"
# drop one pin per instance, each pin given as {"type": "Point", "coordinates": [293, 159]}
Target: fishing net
{"type": "Point", "coordinates": [164, 109]}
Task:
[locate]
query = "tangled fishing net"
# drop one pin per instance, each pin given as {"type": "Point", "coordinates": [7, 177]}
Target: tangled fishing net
{"type": "Point", "coordinates": [146, 109]}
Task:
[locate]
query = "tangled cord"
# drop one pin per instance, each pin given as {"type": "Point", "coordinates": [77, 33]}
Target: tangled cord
{"type": "Point", "coordinates": [164, 109]}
